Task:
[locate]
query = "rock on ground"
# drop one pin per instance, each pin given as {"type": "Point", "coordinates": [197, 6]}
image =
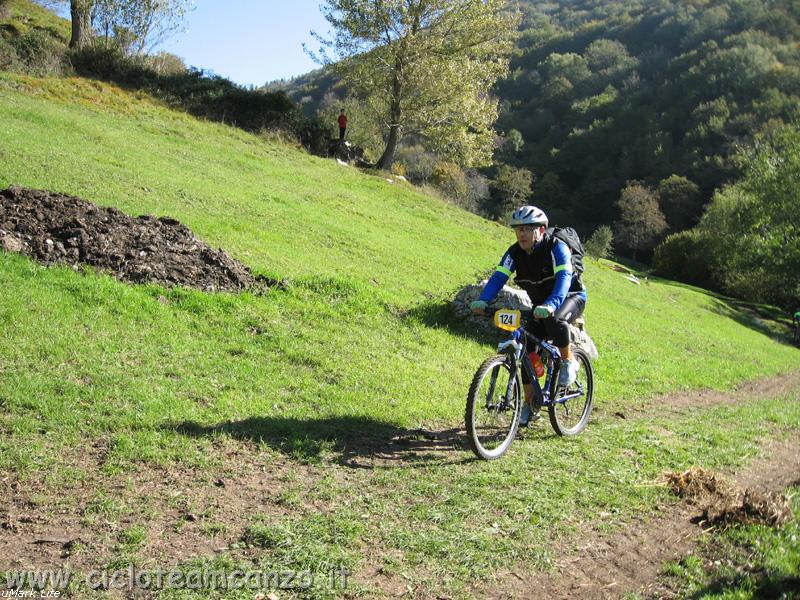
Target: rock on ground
{"type": "Point", "coordinates": [514, 299]}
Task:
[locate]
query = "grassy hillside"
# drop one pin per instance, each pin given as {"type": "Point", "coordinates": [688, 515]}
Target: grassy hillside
{"type": "Point", "coordinates": [357, 348]}
{"type": "Point", "coordinates": [24, 15]}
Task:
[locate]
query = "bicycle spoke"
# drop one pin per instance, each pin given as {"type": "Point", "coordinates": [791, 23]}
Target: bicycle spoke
{"type": "Point", "coordinates": [493, 408]}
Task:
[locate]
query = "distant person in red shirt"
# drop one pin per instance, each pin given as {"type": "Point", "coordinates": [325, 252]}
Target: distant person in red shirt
{"type": "Point", "coordinates": [342, 124]}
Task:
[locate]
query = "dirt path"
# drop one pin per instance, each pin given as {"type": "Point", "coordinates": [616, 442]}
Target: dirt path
{"type": "Point", "coordinates": [609, 566]}
{"type": "Point", "coordinates": [42, 527]}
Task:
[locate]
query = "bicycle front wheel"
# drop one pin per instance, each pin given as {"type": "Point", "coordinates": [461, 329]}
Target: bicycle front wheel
{"type": "Point", "coordinates": [493, 407]}
{"type": "Point", "coordinates": [569, 417]}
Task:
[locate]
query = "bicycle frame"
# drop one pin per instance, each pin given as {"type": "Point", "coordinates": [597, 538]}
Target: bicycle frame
{"type": "Point", "coordinates": [543, 396]}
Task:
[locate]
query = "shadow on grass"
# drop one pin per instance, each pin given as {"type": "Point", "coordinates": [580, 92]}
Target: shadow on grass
{"type": "Point", "coordinates": [762, 318]}
{"type": "Point", "coordinates": [440, 315]}
{"type": "Point", "coordinates": [360, 442]}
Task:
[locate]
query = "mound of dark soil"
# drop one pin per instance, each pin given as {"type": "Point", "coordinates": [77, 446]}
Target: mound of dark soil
{"type": "Point", "coordinates": [61, 229]}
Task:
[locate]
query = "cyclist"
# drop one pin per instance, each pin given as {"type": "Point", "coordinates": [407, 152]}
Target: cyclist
{"type": "Point", "coordinates": [796, 323]}
{"type": "Point", "coordinates": [544, 270]}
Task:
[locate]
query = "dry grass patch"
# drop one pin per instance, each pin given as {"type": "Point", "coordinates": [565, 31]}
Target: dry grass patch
{"type": "Point", "coordinates": [723, 503]}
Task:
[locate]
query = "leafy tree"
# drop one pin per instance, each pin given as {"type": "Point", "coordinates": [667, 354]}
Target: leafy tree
{"type": "Point", "coordinates": [143, 23]}
{"type": "Point", "coordinates": [680, 201]}
{"type": "Point", "coordinates": [137, 24]}
{"type": "Point", "coordinates": [641, 222]}
{"type": "Point", "coordinates": [753, 224]}
{"type": "Point", "coordinates": [361, 129]}
{"type": "Point", "coordinates": [512, 186]}
{"type": "Point", "coordinates": [550, 191]}
{"type": "Point", "coordinates": [510, 144]}
{"type": "Point", "coordinates": [599, 243]}
{"type": "Point", "coordinates": [425, 68]}
{"type": "Point", "coordinates": [609, 59]}
{"type": "Point", "coordinates": [748, 243]}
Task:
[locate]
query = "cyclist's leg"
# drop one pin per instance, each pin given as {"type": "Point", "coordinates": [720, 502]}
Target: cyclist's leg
{"type": "Point", "coordinates": [527, 412]}
{"type": "Point", "coordinates": [558, 329]}
{"type": "Point", "coordinates": [536, 327]}
{"type": "Point", "coordinates": [557, 326]}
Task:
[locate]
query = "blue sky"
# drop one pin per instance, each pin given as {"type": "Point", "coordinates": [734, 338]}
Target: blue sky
{"type": "Point", "coordinates": [247, 41]}
{"type": "Point", "coordinates": [250, 41]}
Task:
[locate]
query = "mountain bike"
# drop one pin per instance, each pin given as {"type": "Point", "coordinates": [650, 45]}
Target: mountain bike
{"type": "Point", "coordinates": [495, 396]}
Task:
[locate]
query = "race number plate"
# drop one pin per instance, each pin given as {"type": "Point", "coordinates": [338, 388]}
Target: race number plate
{"type": "Point", "coordinates": [508, 319]}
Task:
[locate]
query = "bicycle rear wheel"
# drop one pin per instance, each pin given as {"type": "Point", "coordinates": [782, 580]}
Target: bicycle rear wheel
{"type": "Point", "coordinates": [571, 416]}
{"type": "Point", "coordinates": [493, 406]}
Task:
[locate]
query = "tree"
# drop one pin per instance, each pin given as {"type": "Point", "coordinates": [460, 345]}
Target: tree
{"type": "Point", "coordinates": [641, 221]}
{"type": "Point", "coordinates": [512, 187]}
{"type": "Point", "coordinates": [140, 24]}
{"type": "Point", "coordinates": [609, 59]}
{"type": "Point", "coordinates": [752, 224]}
{"type": "Point", "coordinates": [361, 130]}
{"type": "Point", "coordinates": [81, 15]}
{"type": "Point", "coordinates": [600, 243]}
{"type": "Point", "coordinates": [680, 201]}
{"type": "Point", "coordinates": [425, 68]}
{"type": "Point", "coordinates": [509, 145]}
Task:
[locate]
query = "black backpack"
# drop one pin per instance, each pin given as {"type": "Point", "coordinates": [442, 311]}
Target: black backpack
{"type": "Point", "coordinates": [570, 237]}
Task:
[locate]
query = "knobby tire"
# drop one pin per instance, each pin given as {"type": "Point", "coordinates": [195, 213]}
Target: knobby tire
{"type": "Point", "coordinates": [571, 418]}
{"type": "Point", "coordinates": [492, 422]}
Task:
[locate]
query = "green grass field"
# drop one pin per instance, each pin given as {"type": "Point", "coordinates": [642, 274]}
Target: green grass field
{"type": "Point", "coordinates": [359, 348]}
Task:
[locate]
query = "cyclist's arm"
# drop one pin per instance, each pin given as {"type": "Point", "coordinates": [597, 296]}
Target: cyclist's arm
{"type": "Point", "coordinates": [562, 267]}
{"type": "Point", "coordinates": [498, 279]}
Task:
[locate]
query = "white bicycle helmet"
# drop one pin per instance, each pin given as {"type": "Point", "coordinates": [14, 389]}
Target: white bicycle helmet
{"type": "Point", "coordinates": [528, 215]}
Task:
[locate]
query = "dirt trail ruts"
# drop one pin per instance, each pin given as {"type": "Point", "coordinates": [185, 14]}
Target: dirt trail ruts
{"type": "Point", "coordinates": [42, 527]}
{"type": "Point", "coordinates": [763, 387]}
{"type": "Point", "coordinates": [609, 566]}
{"type": "Point", "coordinates": [598, 566]}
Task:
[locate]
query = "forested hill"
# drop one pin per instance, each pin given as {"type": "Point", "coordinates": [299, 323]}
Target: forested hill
{"type": "Point", "coordinates": [604, 92]}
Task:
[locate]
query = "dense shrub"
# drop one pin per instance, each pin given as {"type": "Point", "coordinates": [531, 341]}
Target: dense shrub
{"type": "Point", "coordinates": [449, 178]}
{"type": "Point", "coordinates": [102, 61]}
{"type": "Point", "coordinates": [398, 169]}
{"type": "Point", "coordinates": [599, 245]}
{"type": "Point", "coordinates": [686, 256]}
{"type": "Point", "coordinates": [8, 56]}
{"type": "Point", "coordinates": [36, 52]}
{"type": "Point", "coordinates": [311, 131]}
{"type": "Point", "coordinates": [418, 163]}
